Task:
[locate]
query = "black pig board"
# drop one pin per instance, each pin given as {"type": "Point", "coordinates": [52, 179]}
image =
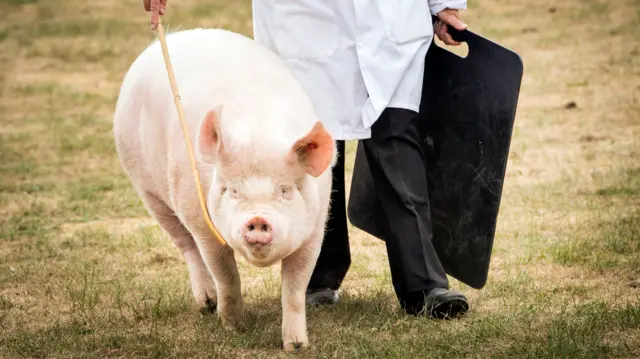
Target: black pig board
{"type": "Point", "coordinates": [468, 110]}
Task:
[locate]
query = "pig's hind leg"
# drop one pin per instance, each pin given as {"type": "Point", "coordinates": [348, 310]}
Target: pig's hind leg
{"type": "Point", "coordinates": [202, 284]}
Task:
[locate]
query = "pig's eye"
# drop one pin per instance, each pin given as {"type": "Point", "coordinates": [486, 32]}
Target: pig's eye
{"type": "Point", "coordinates": [286, 192]}
{"type": "Point", "coordinates": [234, 193]}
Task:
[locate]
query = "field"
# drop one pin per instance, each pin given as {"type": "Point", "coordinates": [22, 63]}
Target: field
{"type": "Point", "coordinates": [86, 273]}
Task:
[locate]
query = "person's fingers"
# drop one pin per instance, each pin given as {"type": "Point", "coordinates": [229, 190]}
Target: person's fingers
{"type": "Point", "coordinates": [451, 18]}
{"type": "Point", "coordinates": [163, 7]}
{"type": "Point", "coordinates": [438, 27]}
{"type": "Point", "coordinates": [442, 32]}
{"type": "Point", "coordinates": [439, 31]}
{"type": "Point", "coordinates": [445, 37]}
{"type": "Point", "coordinates": [449, 40]}
{"type": "Point", "coordinates": [155, 13]}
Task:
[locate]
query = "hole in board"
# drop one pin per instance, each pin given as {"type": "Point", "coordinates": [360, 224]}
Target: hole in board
{"type": "Point", "coordinates": [461, 50]}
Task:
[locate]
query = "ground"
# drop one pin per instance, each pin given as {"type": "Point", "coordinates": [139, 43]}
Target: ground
{"type": "Point", "coordinates": [85, 272]}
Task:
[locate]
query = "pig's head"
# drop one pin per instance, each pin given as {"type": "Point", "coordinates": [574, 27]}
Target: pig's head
{"type": "Point", "coordinates": [263, 196]}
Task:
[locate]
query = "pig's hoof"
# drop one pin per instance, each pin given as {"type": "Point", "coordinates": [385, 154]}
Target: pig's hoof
{"type": "Point", "coordinates": [295, 346]}
{"type": "Point", "coordinates": [232, 325]}
{"type": "Point", "coordinates": [209, 307]}
{"type": "Point", "coordinates": [238, 328]}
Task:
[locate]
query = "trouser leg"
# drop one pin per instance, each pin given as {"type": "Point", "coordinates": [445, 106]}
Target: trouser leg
{"type": "Point", "coordinates": [335, 258]}
{"type": "Point", "coordinates": [396, 160]}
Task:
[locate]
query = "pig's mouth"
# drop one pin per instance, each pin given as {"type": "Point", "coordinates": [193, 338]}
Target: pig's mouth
{"type": "Point", "coordinates": [261, 256]}
{"type": "Point", "coordinates": [260, 251]}
{"type": "Point", "coordinates": [257, 254]}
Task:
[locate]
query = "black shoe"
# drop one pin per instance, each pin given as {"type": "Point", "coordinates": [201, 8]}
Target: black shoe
{"type": "Point", "coordinates": [438, 303]}
{"type": "Point", "coordinates": [322, 296]}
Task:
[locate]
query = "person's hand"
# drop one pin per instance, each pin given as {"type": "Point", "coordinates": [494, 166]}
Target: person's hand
{"type": "Point", "coordinates": [157, 8]}
{"type": "Point", "coordinates": [448, 17]}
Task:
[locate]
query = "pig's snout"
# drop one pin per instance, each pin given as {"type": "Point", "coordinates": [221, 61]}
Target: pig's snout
{"type": "Point", "coordinates": [257, 230]}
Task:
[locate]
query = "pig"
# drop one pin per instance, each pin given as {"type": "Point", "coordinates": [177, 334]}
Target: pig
{"type": "Point", "coordinates": [263, 155]}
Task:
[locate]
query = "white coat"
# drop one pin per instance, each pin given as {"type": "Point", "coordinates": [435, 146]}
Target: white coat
{"type": "Point", "coordinates": [354, 57]}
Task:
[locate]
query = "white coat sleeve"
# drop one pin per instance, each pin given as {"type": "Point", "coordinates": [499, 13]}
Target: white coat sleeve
{"type": "Point", "coordinates": [438, 5]}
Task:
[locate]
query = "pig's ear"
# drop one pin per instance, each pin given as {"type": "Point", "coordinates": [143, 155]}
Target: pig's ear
{"type": "Point", "coordinates": [209, 137]}
{"type": "Point", "coordinates": [315, 151]}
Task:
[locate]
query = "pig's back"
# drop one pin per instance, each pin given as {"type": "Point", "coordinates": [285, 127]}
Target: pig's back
{"type": "Point", "coordinates": [211, 66]}
{"type": "Point", "coordinates": [217, 66]}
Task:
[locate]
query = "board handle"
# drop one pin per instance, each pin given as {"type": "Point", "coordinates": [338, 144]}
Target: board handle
{"type": "Point", "coordinates": [460, 36]}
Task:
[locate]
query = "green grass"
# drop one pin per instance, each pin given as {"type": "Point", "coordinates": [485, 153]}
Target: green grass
{"type": "Point", "coordinates": [614, 243]}
{"type": "Point", "coordinates": [614, 246]}
{"type": "Point", "coordinates": [152, 324]}
{"type": "Point", "coordinates": [31, 221]}
{"type": "Point", "coordinates": [85, 272]}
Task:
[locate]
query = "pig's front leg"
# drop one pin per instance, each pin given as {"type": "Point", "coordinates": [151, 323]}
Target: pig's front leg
{"type": "Point", "coordinates": [296, 273]}
{"type": "Point", "coordinates": [222, 265]}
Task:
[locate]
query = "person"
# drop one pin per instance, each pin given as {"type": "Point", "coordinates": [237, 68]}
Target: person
{"type": "Point", "coordinates": [362, 64]}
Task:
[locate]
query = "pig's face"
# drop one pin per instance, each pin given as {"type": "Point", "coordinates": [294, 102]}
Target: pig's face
{"type": "Point", "coordinates": [263, 197]}
{"type": "Point", "coordinates": [263, 218]}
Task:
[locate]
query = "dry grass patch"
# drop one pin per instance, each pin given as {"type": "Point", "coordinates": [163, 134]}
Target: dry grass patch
{"type": "Point", "coordinates": [85, 272]}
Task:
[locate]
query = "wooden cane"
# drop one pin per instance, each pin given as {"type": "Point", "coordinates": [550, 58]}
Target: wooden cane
{"type": "Point", "coordinates": [185, 133]}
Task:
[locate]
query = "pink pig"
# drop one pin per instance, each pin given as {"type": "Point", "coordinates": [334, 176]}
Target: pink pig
{"type": "Point", "coordinates": [264, 159]}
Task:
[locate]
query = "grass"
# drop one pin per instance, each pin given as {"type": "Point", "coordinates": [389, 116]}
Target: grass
{"type": "Point", "coordinates": [85, 272]}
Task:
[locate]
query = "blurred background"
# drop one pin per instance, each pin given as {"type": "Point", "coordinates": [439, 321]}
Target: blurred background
{"type": "Point", "coordinates": [85, 272]}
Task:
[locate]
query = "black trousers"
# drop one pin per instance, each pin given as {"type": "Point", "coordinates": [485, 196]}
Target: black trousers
{"type": "Point", "coordinates": [396, 160]}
